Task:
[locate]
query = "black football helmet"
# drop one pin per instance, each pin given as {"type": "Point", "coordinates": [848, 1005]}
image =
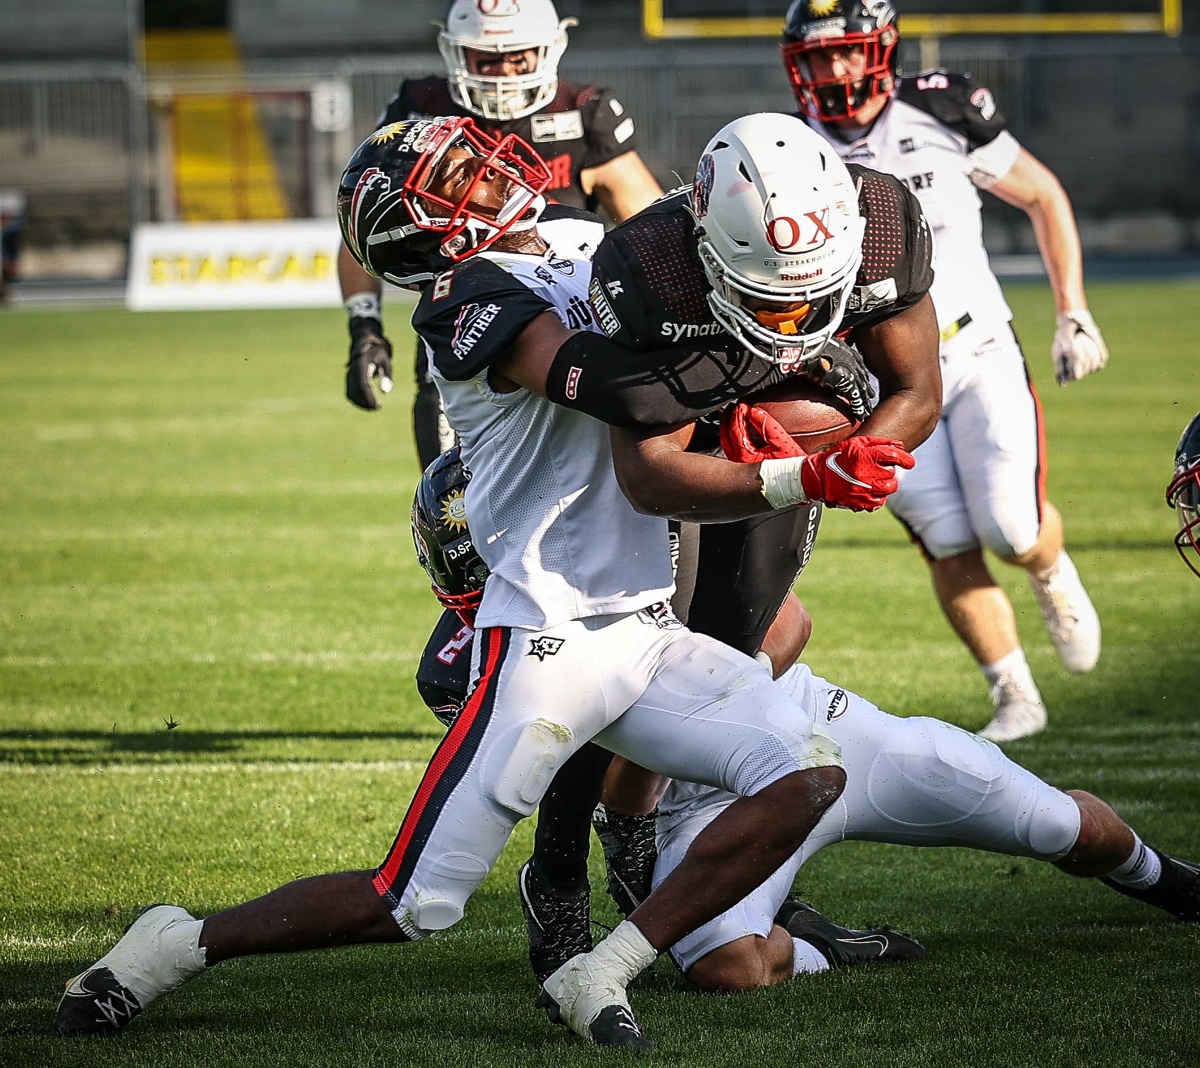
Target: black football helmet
{"type": "Point", "coordinates": [443, 542]}
{"type": "Point", "coordinates": [395, 211]}
{"type": "Point", "coordinates": [811, 25]}
{"type": "Point", "coordinates": [1183, 494]}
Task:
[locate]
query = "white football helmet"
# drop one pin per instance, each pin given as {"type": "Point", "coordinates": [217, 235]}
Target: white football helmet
{"type": "Point", "coordinates": [780, 230]}
{"type": "Point", "coordinates": [500, 26]}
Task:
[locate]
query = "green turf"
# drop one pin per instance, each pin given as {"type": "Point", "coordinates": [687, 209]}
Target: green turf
{"type": "Point", "coordinates": [210, 614]}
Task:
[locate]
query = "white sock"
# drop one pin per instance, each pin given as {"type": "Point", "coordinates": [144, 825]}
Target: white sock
{"type": "Point", "coordinates": [626, 951]}
{"type": "Point", "coordinates": [807, 958]}
{"type": "Point", "coordinates": [160, 951]}
{"type": "Point", "coordinates": [1141, 870]}
{"type": "Point", "coordinates": [1014, 665]}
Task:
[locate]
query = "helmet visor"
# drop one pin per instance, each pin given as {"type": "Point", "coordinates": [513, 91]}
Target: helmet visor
{"type": "Point", "coordinates": [1184, 495]}
{"type": "Point", "coordinates": [836, 77]}
{"type": "Point", "coordinates": [476, 187]}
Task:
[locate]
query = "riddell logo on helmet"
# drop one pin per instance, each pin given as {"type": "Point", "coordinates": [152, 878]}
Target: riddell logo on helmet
{"type": "Point", "coordinates": [796, 277]}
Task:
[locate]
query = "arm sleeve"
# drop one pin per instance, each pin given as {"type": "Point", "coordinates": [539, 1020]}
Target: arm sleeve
{"type": "Point", "coordinates": [993, 161]}
{"type": "Point", "coordinates": [592, 374]}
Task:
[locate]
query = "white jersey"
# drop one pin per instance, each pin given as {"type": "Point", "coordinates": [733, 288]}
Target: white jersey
{"type": "Point", "coordinates": [944, 138]}
{"type": "Point", "coordinates": [543, 505]}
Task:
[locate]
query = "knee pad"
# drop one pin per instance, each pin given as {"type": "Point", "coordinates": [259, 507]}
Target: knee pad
{"type": "Point", "coordinates": [456, 875]}
{"type": "Point", "coordinates": [541, 748]}
{"type": "Point", "coordinates": [930, 775]}
{"type": "Point", "coordinates": [935, 784]}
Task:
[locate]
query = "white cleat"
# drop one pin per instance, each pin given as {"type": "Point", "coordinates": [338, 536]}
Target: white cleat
{"type": "Point", "coordinates": [584, 996]}
{"type": "Point", "coordinates": [153, 957]}
{"type": "Point", "coordinates": [1070, 616]}
{"type": "Point", "coordinates": [1019, 713]}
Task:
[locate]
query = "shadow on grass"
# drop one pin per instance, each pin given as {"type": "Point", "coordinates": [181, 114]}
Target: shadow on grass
{"type": "Point", "coordinates": [85, 747]}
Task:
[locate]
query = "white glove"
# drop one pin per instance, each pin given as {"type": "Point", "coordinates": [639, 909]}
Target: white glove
{"type": "Point", "coordinates": [1078, 348]}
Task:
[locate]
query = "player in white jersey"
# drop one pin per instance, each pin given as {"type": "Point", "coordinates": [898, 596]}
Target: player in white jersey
{"type": "Point", "coordinates": [980, 478]}
{"type": "Point", "coordinates": [576, 641]}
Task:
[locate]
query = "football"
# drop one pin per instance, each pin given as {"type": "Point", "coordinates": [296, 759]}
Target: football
{"type": "Point", "coordinates": [813, 415]}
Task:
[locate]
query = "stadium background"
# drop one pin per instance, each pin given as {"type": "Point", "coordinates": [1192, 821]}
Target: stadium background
{"type": "Point", "coordinates": [211, 110]}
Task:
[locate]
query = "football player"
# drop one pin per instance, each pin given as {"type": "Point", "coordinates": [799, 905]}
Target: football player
{"type": "Point", "coordinates": [502, 70]}
{"type": "Point", "coordinates": [1183, 494]}
{"type": "Point", "coordinates": [910, 781]}
{"type": "Point", "coordinates": [575, 639]}
{"type": "Point", "coordinates": [699, 267]}
{"type": "Point", "coordinates": [981, 478]}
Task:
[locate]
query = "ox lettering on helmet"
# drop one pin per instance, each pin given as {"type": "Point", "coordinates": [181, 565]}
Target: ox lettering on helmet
{"type": "Point", "coordinates": [786, 234]}
{"type": "Point", "coordinates": [499, 7]}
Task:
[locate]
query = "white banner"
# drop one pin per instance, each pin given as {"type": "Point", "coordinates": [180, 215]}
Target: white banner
{"type": "Point", "coordinates": [184, 266]}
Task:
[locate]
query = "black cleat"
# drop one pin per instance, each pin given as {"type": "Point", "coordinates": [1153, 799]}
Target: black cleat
{"type": "Point", "coordinates": [841, 946]}
{"type": "Point", "coordinates": [559, 925]}
{"type": "Point", "coordinates": [630, 850]}
{"type": "Point", "coordinates": [1177, 890]}
{"type": "Point", "coordinates": [95, 1004]}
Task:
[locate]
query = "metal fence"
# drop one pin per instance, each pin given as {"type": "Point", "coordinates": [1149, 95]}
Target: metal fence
{"type": "Point", "coordinates": [1118, 120]}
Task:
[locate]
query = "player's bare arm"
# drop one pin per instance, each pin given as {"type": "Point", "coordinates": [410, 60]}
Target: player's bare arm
{"type": "Point", "coordinates": [1031, 186]}
{"type": "Point", "coordinates": [623, 185]}
{"type": "Point", "coordinates": [660, 477]}
{"type": "Point", "coordinates": [902, 353]}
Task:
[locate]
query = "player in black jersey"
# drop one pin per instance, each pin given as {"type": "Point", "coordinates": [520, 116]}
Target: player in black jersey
{"type": "Point", "coordinates": [502, 71]}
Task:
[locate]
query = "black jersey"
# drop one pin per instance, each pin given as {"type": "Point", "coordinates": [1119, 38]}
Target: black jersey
{"type": "Point", "coordinates": [649, 289]}
{"type": "Point", "coordinates": [584, 126]}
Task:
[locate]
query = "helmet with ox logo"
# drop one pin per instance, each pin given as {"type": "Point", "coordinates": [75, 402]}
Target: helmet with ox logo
{"type": "Point", "coordinates": [780, 234]}
{"type": "Point", "coordinates": [501, 27]}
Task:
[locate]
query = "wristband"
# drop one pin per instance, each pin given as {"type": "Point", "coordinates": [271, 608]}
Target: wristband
{"type": "Point", "coordinates": [364, 306]}
{"type": "Point", "coordinates": [781, 482]}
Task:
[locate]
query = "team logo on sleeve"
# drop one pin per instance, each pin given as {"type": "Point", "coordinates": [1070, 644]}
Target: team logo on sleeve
{"type": "Point", "coordinates": [876, 295]}
{"type": "Point", "coordinates": [543, 646]}
{"type": "Point", "coordinates": [605, 316]}
{"type": "Point", "coordinates": [470, 326]}
{"type": "Point", "coordinates": [702, 185]}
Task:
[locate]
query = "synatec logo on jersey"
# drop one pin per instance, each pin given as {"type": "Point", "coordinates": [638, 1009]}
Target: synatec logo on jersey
{"type": "Point", "coordinates": [470, 325]}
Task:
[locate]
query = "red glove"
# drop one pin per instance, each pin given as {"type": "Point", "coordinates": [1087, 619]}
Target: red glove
{"type": "Point", "coordinates": [749, 434]}
{"type": "Point", "coordinates": [857, 473]}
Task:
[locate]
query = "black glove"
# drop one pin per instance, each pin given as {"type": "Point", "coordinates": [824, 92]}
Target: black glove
{"type": "Point", "coordinates": [840, 368]}
{"type": "Point", "coordinates": [370, 358]}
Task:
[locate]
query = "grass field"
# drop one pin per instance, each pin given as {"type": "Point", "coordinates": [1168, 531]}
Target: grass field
{"type": "Point", "coordinates": [210, 615]}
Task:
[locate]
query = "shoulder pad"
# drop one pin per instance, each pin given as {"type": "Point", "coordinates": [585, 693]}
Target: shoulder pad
{"type": "Point", "coordinates": [956, 101]}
